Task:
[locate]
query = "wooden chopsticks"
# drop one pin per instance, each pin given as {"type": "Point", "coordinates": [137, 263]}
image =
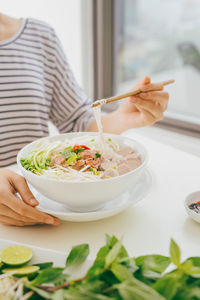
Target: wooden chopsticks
{"type": "Point", "coordinates": [122, 96]}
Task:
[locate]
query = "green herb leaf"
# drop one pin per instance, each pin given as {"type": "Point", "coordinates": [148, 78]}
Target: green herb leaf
{"type": "Point", "coordinates": [113, 254]}
{"type": "Point", "coordinates": [111, 241]}
{"type": "Point", "coordinates": [136, 290]}
{"type": "Point", "coordinates": [191, 267]}
{"type": "Point", "coordinates": [175, 253]}
{"type": "Point", "coordinates": [168, 285]}
{"type": "Point", "coordinates": [121, 272]}
{"type": "Point", "coordinates": [40, 292]}
{"type": "Point", "coordinates": [77, 255]}
{"type": "Point", "coordinates": [48, 275]}
{"type": "Point", "coordinates": [153, 265]}
{"type": "Point", "coordinates": [43, 266]}
{"type": "Point", "coordinates": [98, 267]}
{"type": "Point", "coordinates": [79, 150]}
{"type": "Point", "coordinates": [98, 154]}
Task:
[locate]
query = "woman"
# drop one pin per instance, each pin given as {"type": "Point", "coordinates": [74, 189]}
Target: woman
{"type": "Point", "coordinates": [36, 85]}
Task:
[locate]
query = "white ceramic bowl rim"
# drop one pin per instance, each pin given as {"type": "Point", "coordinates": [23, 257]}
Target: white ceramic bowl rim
{"type": "Point", "coordinates": [146, 157]}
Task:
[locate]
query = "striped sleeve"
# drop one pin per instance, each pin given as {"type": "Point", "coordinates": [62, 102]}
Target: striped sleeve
{"type": "Point", "coordinates": [70, 108]}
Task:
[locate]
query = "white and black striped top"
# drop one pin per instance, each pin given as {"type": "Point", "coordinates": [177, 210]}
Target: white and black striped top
{"type": "Point", "coordinates": [36, 85]}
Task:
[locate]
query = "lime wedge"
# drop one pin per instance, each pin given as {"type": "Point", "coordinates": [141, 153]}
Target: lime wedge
{"type": "Point", "coordinates": [22, 271]}
{"type": "Point", "coordinates": [16, 255]}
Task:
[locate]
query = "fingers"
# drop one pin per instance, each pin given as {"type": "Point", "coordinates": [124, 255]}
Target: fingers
{"type": "Point", "coordinates": [150, 107]}
{"type": "Point", "coordinates": [11, 222]}
{"type": "Point", "coordinates": [21, 208]}
{"type": "Point", "coordinates": [151, 87]}
{"type": "Point", "coordinates": [22, 188]}
{"type": "Point", "coordinates": [160, 97]}
{"type": "Point", "coordinates": [145, 81]}
{"type": "Point", "coordinates": [146, 85]}
{"type": "Point", "coordinates": [7, 212]}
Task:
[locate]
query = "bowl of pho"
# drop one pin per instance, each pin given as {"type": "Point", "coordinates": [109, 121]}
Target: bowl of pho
{"type": "Point", "coordinates": [82, 170]}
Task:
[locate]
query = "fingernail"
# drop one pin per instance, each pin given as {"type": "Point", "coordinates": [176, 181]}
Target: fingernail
{"type": "Point", "coordinates": [33, 201]}
{"type": "Point", "coordinates": [49, 220]}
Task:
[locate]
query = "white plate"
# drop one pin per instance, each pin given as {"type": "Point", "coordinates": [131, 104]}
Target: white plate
{"type": "Point", "coordinates": [41, 255]}
{"type": "Point", "coordinates": [110, 209]}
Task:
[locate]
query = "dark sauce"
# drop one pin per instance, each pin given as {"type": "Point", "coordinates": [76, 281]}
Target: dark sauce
{"type": "Point", "coordinates": [195, 207]}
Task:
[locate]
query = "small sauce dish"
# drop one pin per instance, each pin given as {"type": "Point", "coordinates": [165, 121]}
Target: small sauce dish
{"type": "Point", "coordinates": [192, 206]}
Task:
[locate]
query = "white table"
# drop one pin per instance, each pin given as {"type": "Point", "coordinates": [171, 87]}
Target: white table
{"type": "Point", "coordinates": [146, 227]}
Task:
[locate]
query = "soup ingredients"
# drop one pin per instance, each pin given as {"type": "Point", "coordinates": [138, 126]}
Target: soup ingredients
{"type": "Point", "coordinates": [195, 207]}
{"type": "Point", "coordinates": [81, 161]}
{"type": "Point", "coordinates": [113, 275]}
{"type": "Point", "coordinates": [16, 255]}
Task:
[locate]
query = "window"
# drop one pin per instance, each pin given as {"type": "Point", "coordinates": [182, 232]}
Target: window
{"type": "Point", "coordinates": [161, 39]}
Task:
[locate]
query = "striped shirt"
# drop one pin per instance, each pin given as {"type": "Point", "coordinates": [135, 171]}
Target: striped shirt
{"type": "Point", "coordinates": [36, 85]}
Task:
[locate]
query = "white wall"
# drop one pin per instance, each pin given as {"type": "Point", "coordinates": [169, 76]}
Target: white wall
{"type": "Point", "coordinates": [63, 15]}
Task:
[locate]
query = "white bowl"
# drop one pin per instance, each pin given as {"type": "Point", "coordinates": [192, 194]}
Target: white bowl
{"type": "Point", "coordinates": [192, 198]}
{"type": "Point", "coordinates": [84, 196]}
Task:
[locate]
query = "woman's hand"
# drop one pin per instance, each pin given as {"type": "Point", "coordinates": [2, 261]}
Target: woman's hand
{"type": "Point", "coordinates": [13, 210]}
{"type": "Point", "coordinates": [145, 109]}
{"type": "Point", "coordinates": [142, 110]}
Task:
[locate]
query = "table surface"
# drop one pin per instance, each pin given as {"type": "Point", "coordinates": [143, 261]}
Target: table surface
{"type": "Point", "coordinates": [146, 227]}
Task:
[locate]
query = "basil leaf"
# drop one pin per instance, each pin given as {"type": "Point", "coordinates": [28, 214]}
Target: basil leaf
{"type": "Point", "coordinates": [77, 255]}
{"type": "Point", "coordinates": [157, 263]}
{"type": "Point", "coordinates": [97, 268]}
{"type": "Point", "coordinates": [136, 290]}
{"type": "Point", "coordinates": [195, 260]}
{"type": "Point", "coordinates": [121, 272]}
{"type": "Point", "coordinates": [40, 292]}
{"type": "Point", "coordinates": [189, 268]}
{"type": "Point", "coordinates": [58, 295]}
{"type": "Point", "coordinates": [168, 285]}
{"type": "Point", "coordinates": [44, 265]}
{"type": "Point", "coordinates": [175, 253]}
{"type": "Point", "coordinates": [152, 265]}
{"type": "Point", "coordinates": [108, 240]}
{"type": "Point", "coordinates": [113, 254]}
{"type": "Point", "coordinates": [48, 275]}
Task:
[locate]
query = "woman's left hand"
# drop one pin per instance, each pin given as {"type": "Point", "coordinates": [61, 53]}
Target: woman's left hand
{"type": "Point", "coordinates": [146, 108]}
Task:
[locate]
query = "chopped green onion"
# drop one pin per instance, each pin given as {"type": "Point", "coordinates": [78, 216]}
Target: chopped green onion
{"type": "Point", "coordinates": [79, 150]}
{"type": "Point", "coordinates": [92, 140]}
{"type": "Point", "coordinates": [98, 154]}
{"type": "Point", "coordinates": [95, 172]}
{"type": "Point", "coordinates": [67, 153]}
{"type": "Point", "coordinates": [71, 159]}
{"type": "Point", "coordinates": [109, 139]}
{"type": "Point", "coordinates": [70, 148]}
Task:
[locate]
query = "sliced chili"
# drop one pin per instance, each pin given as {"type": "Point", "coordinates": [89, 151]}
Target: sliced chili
{"type": "Point", "coordinates": [76, 147]}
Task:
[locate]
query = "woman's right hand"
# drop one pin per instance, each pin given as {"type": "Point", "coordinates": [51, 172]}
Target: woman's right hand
{"type": "Point", "coordinates": [19, 212]}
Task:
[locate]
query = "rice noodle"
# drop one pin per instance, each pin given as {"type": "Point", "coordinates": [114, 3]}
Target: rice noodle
{"type": "Point", "coordinates": [107, 148]}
